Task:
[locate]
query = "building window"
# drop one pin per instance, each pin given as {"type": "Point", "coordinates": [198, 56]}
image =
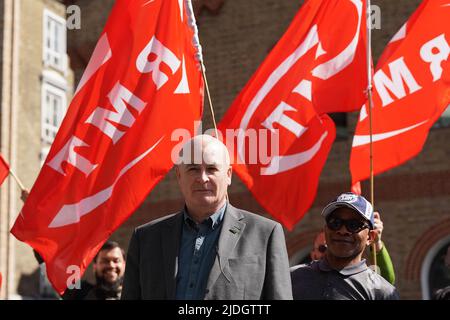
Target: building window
{"type": "Point", "coordinates": [54, 41]}
{"type": "Point", "coordinates": [444, 120]}
{"type": "Point", "coordinates": [54, 107]}
{"type": "Point", "coordinates": [439, 275]}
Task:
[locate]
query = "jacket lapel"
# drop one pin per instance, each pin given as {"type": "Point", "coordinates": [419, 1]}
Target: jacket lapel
{"type": "Point", "coordinates": [170, 239]}
{"type": "Point", "coordinates": [230, 234]}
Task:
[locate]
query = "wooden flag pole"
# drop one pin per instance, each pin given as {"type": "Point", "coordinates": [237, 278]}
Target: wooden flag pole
{"type": "Point", "coordinates": [369, 98]}
{"type": "Point", "coordinates": [21, 186]}
{"type": "Point", "coordinates": [210, 101]}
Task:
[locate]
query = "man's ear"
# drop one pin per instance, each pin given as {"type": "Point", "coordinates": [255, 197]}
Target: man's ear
{"type": "Point", "coordinates": [230, 174]}
{"type": "Point", "coordinates": [371, 236]}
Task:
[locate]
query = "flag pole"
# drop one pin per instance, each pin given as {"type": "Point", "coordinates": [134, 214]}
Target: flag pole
{"type": "Point", "coordinates": [369, 98]}
{"type": "Point", "coordinates": [22, 187]}
{"type": "Point", "coordinates": [209, 100]}
{"type": "Point", "coordinates": [196, 43]}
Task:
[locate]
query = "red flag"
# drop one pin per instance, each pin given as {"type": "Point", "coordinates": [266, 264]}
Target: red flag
{"type": "Point", "coordinates": [114, 145]}
{"type": "Point", "coordinates": [412, 89]}
{"type": "Point", "coordinates": [318, 66]}
{"type": "Point", "coordinates": [4, 169]}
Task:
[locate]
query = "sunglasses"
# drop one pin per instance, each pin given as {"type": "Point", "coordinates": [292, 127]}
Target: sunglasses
{"type": "Point", "coordinates": [352, 225]}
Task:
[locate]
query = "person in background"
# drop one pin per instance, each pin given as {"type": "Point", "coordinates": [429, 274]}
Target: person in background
{"type": "Point", "coordinates": [384, 263]}
{"type": "Point", "coordinates": [342, 274]}
{"type": "Point", "coordinates": [109, 268]}
{"type": "Point", "coordinates": [319, 246]}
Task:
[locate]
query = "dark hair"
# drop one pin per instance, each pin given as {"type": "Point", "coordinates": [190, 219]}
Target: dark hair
{"type": "Point", "coordinates": [109, 245]}
{"type": "Point", "coordinates": [442, 294]}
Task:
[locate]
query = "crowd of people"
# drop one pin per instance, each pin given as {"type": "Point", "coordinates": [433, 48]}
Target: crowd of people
{"type": "Point", "coordinates": [213, 250]}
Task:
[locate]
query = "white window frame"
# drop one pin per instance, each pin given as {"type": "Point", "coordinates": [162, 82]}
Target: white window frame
{"type": "Point", "coordinates": [50, 54]}
{"type": "Point", "coordinates": [50, 88]}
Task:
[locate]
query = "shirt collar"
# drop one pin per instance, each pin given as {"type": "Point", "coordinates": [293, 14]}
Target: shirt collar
{"type": "Point", "coordinates": [347, 271]}
{"type": "Point", "coordinates": [213, 220]}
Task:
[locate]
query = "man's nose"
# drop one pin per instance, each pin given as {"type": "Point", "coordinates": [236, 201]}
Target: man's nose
{"type": "Point", "coordinates": [203, 176]}
{"type": "Point", "coordinates": [111, 264]}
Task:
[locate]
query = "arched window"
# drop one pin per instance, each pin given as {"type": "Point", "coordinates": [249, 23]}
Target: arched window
{"type": "Point", "coordinates": [436, 268]}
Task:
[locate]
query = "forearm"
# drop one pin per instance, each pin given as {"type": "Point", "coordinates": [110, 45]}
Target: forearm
{"type": "Point", "coordinates": [384, 262]}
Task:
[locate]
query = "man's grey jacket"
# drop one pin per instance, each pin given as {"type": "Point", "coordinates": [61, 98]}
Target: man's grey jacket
{"type": "Point", "coordinates": [251, 260]}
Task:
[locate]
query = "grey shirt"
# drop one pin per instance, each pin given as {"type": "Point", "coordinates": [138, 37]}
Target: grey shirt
{"type": "Point", "coordinates": [318, 281]}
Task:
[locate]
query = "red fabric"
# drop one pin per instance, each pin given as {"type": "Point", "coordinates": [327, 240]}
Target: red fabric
{"type": "Point", "coordinates": [317, 67]}
{"type": "Point", "coordinates": [4, 169]}
{"type": "Point", "coordinates": [81, 196]}
{"type": "Point", "coordinates": [404, 113]}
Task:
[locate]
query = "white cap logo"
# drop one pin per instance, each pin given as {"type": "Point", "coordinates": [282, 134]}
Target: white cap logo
{"type": "Point", "coordinates": [347, 198]}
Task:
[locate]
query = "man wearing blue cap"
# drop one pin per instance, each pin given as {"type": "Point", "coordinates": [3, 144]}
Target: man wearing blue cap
{"type": "Point", "coordinates": [342, 274]}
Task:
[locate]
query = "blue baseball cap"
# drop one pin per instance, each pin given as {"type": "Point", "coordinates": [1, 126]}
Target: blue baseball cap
{"type": "Point", "coordinates": [357, 203]}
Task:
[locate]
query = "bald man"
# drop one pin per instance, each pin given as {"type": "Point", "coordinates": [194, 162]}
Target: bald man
{"type": "Point", "coordinates": [210, 249]}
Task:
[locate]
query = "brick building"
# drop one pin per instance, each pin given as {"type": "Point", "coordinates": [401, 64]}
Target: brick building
{"type": "Point", "coordinates": [414, 199]}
